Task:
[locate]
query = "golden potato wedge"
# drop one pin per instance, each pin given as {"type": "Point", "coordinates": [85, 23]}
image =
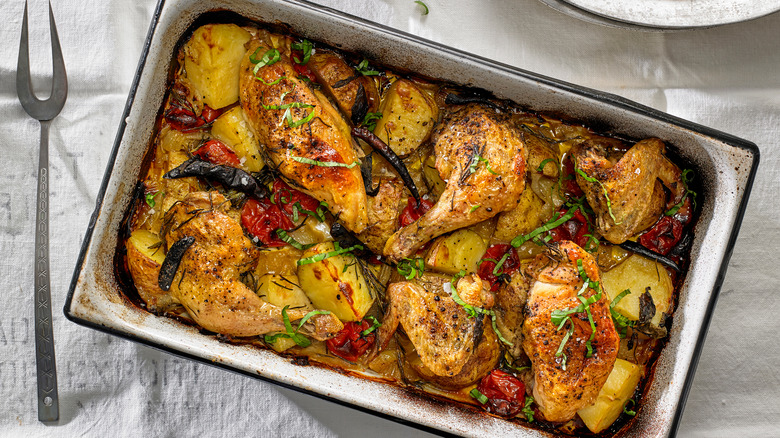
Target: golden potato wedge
{"type": "Point", "coordinates": [212, 58]}
{"type": "Point", "coordinates": [335, 283]}
{"type": "Point", "coordinates": [618, 388]}
{"type": "Point", "coordinates": [638, 273]}
{"type": "Point", "coordinates": [408, 116]}
{"type": "Point", "coordinates": [526, 217]}
{"type": "Point", "coordinates": [458, 251]}
{"type": "Point", "coordinates": [282, 290]}
{"type": "Point", "coordinates": [232, 129]}
{"type": "Point", "coordinates": [145, 255]}
{"type": "Point", "coordinates": [280, 261]}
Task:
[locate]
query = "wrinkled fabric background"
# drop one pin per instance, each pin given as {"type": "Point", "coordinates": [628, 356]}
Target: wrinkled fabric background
{"type": "Point", "coordinates": [727, 78]}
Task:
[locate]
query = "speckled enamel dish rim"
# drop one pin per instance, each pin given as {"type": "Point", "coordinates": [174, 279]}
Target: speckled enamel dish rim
{"type": "Point", "coordinates": [726, 164]}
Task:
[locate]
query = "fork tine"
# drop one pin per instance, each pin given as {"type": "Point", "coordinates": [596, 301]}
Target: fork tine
{"type": "Point", "coordinates": [37, 108]}
{"type": "Point", "coordinates": [23, 77]}
{"type": "Point", "coordinates": [59, 83]}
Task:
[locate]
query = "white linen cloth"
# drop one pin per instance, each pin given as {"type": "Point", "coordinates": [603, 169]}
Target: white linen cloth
{"type": "Point", "coordinates": [726, 77]}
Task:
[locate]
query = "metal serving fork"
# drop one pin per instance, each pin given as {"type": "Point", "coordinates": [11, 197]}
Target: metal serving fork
{"type": "Point", "coordinates": [44, 111]}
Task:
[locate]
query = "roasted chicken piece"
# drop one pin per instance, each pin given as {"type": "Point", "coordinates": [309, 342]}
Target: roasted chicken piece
{"type": "Point", "coordinates": [304, 135]}
{"type": "Point", "coordinates": [510, 302]}
{"type": "Point", "coordinates": [455, 349]}
{"type": "Point", "coordinates": [565, 383]}
{"type": "Point", "coordinates": [627, 193]}
{"type": "Point", "coordinates": [355, 94]}
{"type": "Point", "coordinates": [383, 214]}
{"type": "Point", "coordinates": [482, 159]}
{"type": "Point", "coordinates": [207, 281]}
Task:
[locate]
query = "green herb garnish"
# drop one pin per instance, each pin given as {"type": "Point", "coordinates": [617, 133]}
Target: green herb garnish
{"type": "Point", "coordinates": [529, 413]}
{"type": "Point", "coordinates": [475, 162]}
{"type": "Point", "coordinates": [305, 47]}
{"type": "Point", "coordinates": [325, 255]}
{"type": "Point", "coordinates": [474, 208]}
{"type": "Point", "coordinates": [480, 397]}
{"type": "Point", "coordinates": [365, 70]}
{"type": "Point", "coordinates": [305, 160]}
{"type": "Point", "coordinates": [288, 239]}
{"type": "Point", "coordinates": [629, 411]}
{"type": "Point", "coordinates": [369, 121]}
{"type": "Point", "coordinates": [279, 79]}
{"type": "Point", "coordinates": [424, 6]}
{"type": "Point", "coordinates": [374, 325]}
{"type": "Point", "coordinates": [150, 199]}
{"type": "Point", "coordinates": [270, 57]}
{"type": "Point", "coordinates": [544, 163]}
{"type": "Point", "coordinates": [560, 317]}
{"type": "Point", "coordinates": [619, 319]}
{"type": "Point", "coordinates": [519, 240]}
{"type": "Point", "coordinates": [472, 311]}
{"type": "Point", "coordinates": [686, 179]}
{"type": "Point", "coordinates": [603, 189]}
{"type": "Point", "coordinates": [411, 268]}
{"type": "Point", "coordinates": [299, 339]}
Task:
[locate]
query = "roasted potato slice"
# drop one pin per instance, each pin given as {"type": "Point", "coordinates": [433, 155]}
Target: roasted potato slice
{"type": "Point", "coordinates": [335, 283]}
{"type": "Point", "coordinates": [280, 261]}
{"type": "Point", "coordinates": [459, 251]}
{"type": "Point", "coordinates": [637, 274]}
{"type": "Point", "coordinates": [408, 117]}
{"type": "Point", "coordinates": [145, 255]}
{"type": "Point", "coordinates": [212, 58]}
{"type": "Point", "coordinates": [618, 388]}
{"type": "Point", "coordinates": [281, 291]}
{"type": "Point", "coordinates": [232, 129]}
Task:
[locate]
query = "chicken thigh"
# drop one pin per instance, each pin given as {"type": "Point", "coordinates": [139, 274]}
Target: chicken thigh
{"type": "Point", "coordinates": [627, 194]}
{"type": "Point", "coordinates": [567, 378]}
{"type": "Point", "coordinates": [207, 281]}
{"type": "Point", "coordinates": [303, 134]}
{"type": "Point", "coordinates": [482, 159]}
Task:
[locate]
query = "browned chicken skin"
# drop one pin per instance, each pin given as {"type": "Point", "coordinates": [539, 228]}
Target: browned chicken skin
{"type": "Point", "coordinates": [455, 349]}
{"type": "Point", "coordinates": [207, 282]}
{"type": "Point", "coordinates": [482, 159]}
{"type": "Point", "coordinates": [560, 391]}
{"type": "Point", "coordinates": [324, 138]}
{"type": "Point", "coordinates": [634, 186]}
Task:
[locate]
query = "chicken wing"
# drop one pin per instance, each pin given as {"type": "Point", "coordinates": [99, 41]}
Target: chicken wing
{"type": "Point", "coordinates": [482, 159]}
{"type": "Point", "coordinates": [455, 349]}
{"type": "Point", "coordinates": [571, 380]}
{"type": "Point", "coordinates": [207, 282]}
{"type": "Point", "coordinates": [303, 134]}
{"type": "Point", "coordinates": [627, 194]}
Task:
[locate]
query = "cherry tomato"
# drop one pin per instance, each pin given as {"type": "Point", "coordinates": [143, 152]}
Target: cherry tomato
{"type": "Point", "coordinates": [303, 70]}
{"type": "Point", "coordinates": [286, 197]}
{"type": "Point", "coordinates": [505, 393]}
{"type": "Point", "coordinates": [217, 152]}
{"type": "Point", "coordinates": [209, 115]}
{"type": "Point", "coordinates": [488, 263]}
{"type": "Point", "coordinates": [349, 343]}
{"type": "Point", "coordinates": [411, 212]}
{"type": "Point", "coordinates": [182, 119]}
{"type": "Point", "coordinates": [261, 218]}
{"type": "Point", "coordinates": [575, 229]}
{"type": "Point", "coordinates": [663, 236]}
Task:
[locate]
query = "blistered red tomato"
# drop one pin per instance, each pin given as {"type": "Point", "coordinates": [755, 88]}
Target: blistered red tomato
{"type": "Point", "coordinates": [664, 235]}
{"type": "Point", "coordinates": [304, 70]}
{"type": "Point", "coordinates": [350, 343]}
{"type": "Point", "coordinates": [570, 186]}
{"type": "Point", "coordinates": [488, 263]}
{"type": "Point", "coordinates": [505, 393]}
{"type": "Point", "coordinates": [287, 197]}
{"type": "Point", "coordinates": [184, 119]}
{"type": "Point", "coordinates": [217, 152]}
{"type": "Point", "coordinates": [575, 229]}
{"type": "Point", "coordinates": [261, 219]}
{"type": "Point", "coordinates": [412, 212]}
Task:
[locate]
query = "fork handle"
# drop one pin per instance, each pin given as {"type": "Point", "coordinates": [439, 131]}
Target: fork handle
{"type": "Point", "coordinates": [48, 400]}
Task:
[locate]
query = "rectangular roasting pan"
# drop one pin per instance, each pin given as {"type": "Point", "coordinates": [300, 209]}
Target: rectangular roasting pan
{"type": "Point", "coordinates": [726, 165]}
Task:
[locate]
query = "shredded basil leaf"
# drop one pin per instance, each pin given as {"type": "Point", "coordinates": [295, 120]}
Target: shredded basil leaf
{"type": "Point", "coordinates": [291, 241]}
{"type": "Point", "coordinates": [279, 79]}
{"type": "Point", "coordinates": [529, 413]}
{"type": "Point", "coordinates": [544, 163]}
{"type": "Point", "coordinates": [519, 240]}
{"type": "Point", "coordinates": [365, 70]}
{"type": "Point", "coordinates": [604, 190]}
{"type": "Point", "coordinates": [560, 317]}
{"type": "Point", "coordinates": [621, 321]}
{"type": "Point", "coordinates": [305, 160]}
{"type": "Point", "coordinates": [424, 6]}
{"type": "Point", "coordinates": [374, 325]}
{"type": "Point", "coordinates": [299, 339]}
{"type": "Point", "coordinates": [475, 162]}
{"type": "Point", "coordinates": [686, 179]}
{"type": "Point", "coordinates": [304, 46]}
{"type": "Point", "coordinates": [480, 397]}
{"type": "Point", "coordinates": [150, 199]}
{"type": "Point", "coordinates": [270, 57]}
{"type": "Point", "coordinates": [300, 122]}
{"type": "Point", "coordinates": [411, 268]}
{"type": "Point", "coordinates": [627, 411]}
{"type": "Point", "coordinates": [473, 311]}
{"type": "Point", "coordinates": [325, 255]}
{"type": "Point", "coordinates": [474, 208]}
{"type": "Point", "coordinates": [369, 121]}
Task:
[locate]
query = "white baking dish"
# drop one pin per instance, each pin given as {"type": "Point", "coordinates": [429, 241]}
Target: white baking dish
{"type": "Point", "coordinates": [725, 164]}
